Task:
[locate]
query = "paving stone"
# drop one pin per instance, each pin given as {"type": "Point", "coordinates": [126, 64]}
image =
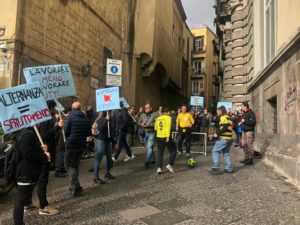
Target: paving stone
{"type": "Point", "coordinates": [137, 213]}
{"type": "Point", "coordinates": [165, 218]}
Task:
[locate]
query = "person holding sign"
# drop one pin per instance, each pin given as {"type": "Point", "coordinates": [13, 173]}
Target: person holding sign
{"type": "Point", "coordinates": [103, 145]}
{"type": "Point", "coordinates": [30, 155]}
{"type": "Point", "coordinates": [164, 139]}
{"type": "Point", "coordinates": [77, 129]}
{"type": "Point", "coordinates": [184, 123]}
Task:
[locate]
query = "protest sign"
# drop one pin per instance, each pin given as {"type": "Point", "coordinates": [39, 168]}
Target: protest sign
{"type": "Point", "coordinates": [227, 105]}
{"type": "Point", "coordinates": [22, 106]}
{"type": "Point", "coordinates": [107, 99]}
{"type": "Point", "coordinates": [125, 103]}
{"type": "Point", "coordinates": [56, 80]}
{"type": "Point", "coordinates": [196, 101]}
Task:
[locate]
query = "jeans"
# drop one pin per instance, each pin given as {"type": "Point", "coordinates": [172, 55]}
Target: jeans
{"type": "Point", "coordinates": [238, 138]}
{"type": "Point", "coordinates": [222, 146]}
{"type": "Point", "coordinates": [161, 144]}
{"type": "Point", "coordinates": [59, 162]}
{"type": "Point", "coordinates": [149, 140]}
{"type": "Point", "coordinates": [187, 136]}
{"type": "Point", "coordinates": [23, 194]}
{"type": "Point", "coordinates": [72, 161]}
{"type": "Point", "coordinates": [122, 141]}
{"type": "Point", "coordinates": [41, 186]}
{"type": "Point", "coordinates": [129, 140]}
{"type": "Point", "coordinates": [102, 148]}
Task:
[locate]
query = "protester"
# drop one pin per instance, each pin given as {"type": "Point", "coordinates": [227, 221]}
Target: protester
{"type": "Point", "coordinates": [47, 131]}
{"type": "Point", "coordinates": [147, 122]}
{"type": "Point", "coordinates": [223, 144]}
{"type": "Point", "coordinates": [103, 145]}
{"type": "Point", "coordinates": [248, 123]}
{"type": "Point", "coordinates": [204, 120]}
{"type": "Point", "coordinates": [163, 126]}
{"type": "Point", "coordinates": [76, 130]}
{"type": "Point", "coordinates": [123, 126]}
{"type": "Point", "coordinates": [30, 156]}
{"type": "Point", "coordinates": [237, 126]}
{"type": "Point", "coordinates": [131, 130]}
{"type": "Point", "coordinates": [140, 129]}
{"type": "Point", "coordinates": [184, 123]}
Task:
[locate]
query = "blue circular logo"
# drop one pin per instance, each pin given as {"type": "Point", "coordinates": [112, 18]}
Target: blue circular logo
{"type": "Point", "coordinates": [114, 69]}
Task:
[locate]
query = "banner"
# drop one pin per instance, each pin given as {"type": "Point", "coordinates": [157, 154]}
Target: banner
{"type": "Point", "coordinates": [227, 105]}
{"type": "Point", "coordinates": [22, 106]}
{"type": "Point", "coordinates": [197, 101]}
{"type": "Point", "coordinates": [56, 80]}
{"type": "Point", "coordinates": [125, 103]}
{"type": "Point", "coordinates": [107, 99]}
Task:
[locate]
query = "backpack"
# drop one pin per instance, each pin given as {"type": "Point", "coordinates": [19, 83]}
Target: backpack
{"type": "Point", "coordinates": [10, 163]}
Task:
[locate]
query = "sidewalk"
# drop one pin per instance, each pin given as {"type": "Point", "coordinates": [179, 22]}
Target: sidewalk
{"type": "Point", "coordinates": [252, 195]}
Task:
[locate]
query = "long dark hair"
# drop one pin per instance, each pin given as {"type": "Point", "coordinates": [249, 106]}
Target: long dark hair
{"type": "Point", "coordinates": [223, 110]}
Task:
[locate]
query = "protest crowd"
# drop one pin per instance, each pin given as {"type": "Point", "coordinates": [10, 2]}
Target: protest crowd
{"type": "Point", "coordinates": [113, 131]}
{"type": "Point", "coordinates": [57, 139]}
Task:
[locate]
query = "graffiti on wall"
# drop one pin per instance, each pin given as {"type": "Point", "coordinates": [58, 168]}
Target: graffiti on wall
{"type": "Point", "coordinates": [292, 94]}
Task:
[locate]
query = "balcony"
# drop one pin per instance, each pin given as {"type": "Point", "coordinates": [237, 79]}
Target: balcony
{"type": "Point", "coordinates": [198, 73]}
{"type": "Point", "coordinates": [199, 50]}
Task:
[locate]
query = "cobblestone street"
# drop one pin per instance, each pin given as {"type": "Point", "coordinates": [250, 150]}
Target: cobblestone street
{"type": "Point", "coordinates": [252, 195]}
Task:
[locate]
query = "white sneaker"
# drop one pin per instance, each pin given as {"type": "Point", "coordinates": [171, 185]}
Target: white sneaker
{"type": "Point", "coordinates": [127, 159]}
{"type": "Point", "coordinates": [132, 156]}
{"type": "Point", "coordinates": [179, 153]}
{"type": "Point", "coordinates": [187, 154]}
{"type": "Point", "coordinates": [170, 168]}
{"type": "Point", "coordinates": [159, 171]}
{"type": "Point", "coordinates": [114, 159]}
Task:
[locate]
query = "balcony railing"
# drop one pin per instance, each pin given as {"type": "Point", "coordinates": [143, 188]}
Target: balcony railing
{"type": "Point", "coordinates": [198, 50]}
{"type": "Point", "coordinates": [199, 72]}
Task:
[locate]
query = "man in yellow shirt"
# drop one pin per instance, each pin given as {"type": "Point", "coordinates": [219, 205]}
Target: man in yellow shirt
{"type": "Point", "coordinates": [163, 136]}
{"type": "Point", "coordinates": [184, 123]}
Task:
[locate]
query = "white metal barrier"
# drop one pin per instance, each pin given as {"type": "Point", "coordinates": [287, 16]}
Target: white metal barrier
{"type": "Point", "coordinates": [204, 145]}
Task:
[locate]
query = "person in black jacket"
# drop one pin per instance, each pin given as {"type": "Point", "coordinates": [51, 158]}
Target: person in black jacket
{"type": "Point", "coordinates": [30, 155]}
{"type": "Point", "coordinates": [248, 123]}
{"type": "Point", "coordinates": [122, 126]}
{"type": "Point", "coordinates": [77, 129]}
{"type": "Point", "coordinates": [103, 131]}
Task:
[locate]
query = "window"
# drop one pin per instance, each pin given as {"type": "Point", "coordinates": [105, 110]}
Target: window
{"type": "Point", "coordinates": [270, 29]}
{"type": "Point", "coordinates": [107, 54]}
{"type": "Point", "coordinates": [198, 67]}
{"type": "Point", "coordinates": [199, 44]}
{"type": "Point", "coordinates": [196, 87]}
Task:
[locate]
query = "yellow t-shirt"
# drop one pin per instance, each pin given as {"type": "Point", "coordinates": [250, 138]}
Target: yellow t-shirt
{"type": "Point", "coordinates": [163, 126]}
{"type": "Point", "coordinates": [185, 120]}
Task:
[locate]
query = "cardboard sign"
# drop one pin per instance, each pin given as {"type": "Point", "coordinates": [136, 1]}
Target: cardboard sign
{"type": "Point", "coordinates": [227, 105]}
{"type": "Point", "coordinates": [107, 99]}
{"type": "Point", "coordinates": [197, 101]}
{"type": "Point", "coordinates": [56, 80]}
{"type": "Point", "coordinates": [22, 106]}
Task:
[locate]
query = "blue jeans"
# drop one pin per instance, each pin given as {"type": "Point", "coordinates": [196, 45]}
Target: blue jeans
{"type": "Point", "coordinates": [222, 146]}
{"type": "Point", "coordinates": [149, 140]}
{"type": "Point", "coordinates": [102, 148]}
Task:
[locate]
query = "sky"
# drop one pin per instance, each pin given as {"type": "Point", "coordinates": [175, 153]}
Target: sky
{"type": "Point", "coordinates": [199, 12]}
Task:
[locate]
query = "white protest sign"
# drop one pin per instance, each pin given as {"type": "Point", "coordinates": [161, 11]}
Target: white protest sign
{"type": "Point", "coordinates": [56, 80]}
{"type": "Point", "coordinates": [114, 67]}
{"type": "Point", "coordinates": [22, 106]}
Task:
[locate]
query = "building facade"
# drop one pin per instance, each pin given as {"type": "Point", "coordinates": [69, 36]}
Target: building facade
{"type": "Point", "coordinates": [205, 77]}
{"type": "Point", "coordinates": [150, 42]}
{"type": "Point", "coordinates": [271, 67]}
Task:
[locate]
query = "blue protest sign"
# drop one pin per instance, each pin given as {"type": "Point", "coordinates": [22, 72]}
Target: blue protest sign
{"type": "Point", "coordinates": [197, 100]}
{"type": "Point", "coordinates": [56, 80]}
{"type": "Point", "coordinates": [107, 99]}
{"type": "Point", "coordinates": [22, 106]}
{"type": "Point", "coordinates": [125, 103]}
{"type": "Point", "coordinates": [227, 105]}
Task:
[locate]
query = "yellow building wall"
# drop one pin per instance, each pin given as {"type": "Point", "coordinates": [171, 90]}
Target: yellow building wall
{"type": "Point", "coordinates": [288, 19]}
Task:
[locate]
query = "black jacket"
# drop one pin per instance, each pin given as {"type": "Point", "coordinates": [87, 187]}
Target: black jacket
{"type": "Point", "coordinates": [250, 121]}
{"type": "Point", "coordinates": [102, 128]}
{"type": "Point", "coordinates": [77, 129]}
{"type": "Point", "coordinates": [48, 132]}
{"type": "Point", "coordinates": [29, 157]}
{"type": "Point", "coordinates": [123, 120]}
